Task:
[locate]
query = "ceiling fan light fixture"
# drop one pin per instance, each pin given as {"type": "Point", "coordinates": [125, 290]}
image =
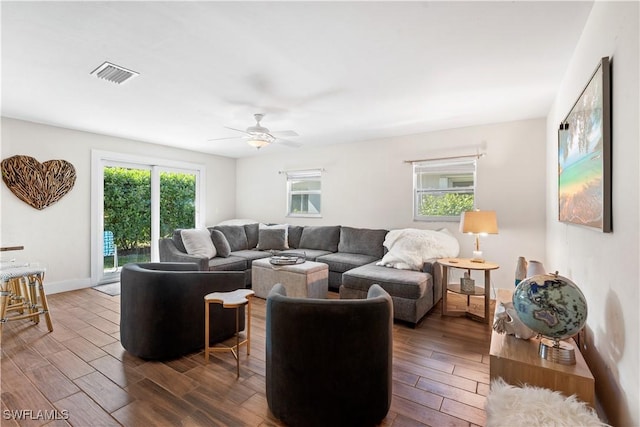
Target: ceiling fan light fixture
{"type": "Point", "coordinates": [257, 143]}
{"type": "Point", "coordinates": [260, 140]}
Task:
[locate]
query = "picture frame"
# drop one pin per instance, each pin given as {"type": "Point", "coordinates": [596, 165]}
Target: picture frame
{"type": "Point", "coordinates": [584, 155]}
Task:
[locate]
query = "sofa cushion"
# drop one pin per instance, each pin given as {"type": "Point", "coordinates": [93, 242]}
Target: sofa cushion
{"type": "Point", "coordinates": [309, 254]}
{"type": "Point", "coordinates": [295, 232]}
{"type": "Point", "coordinates": [236, 236]}
{"type": "Point", "coordinates": [252, 235]}
{"type": "Point", "coordinates": [341, 262]}
{"type": "Point", "coordinates": [325, 238]}
{"type": "Point", "coordinates": [197, 241]}
{"type": "Point", "coordinates": [250, 255]}
{"type": "Point", "coordinates": [362, 241]}
{"type": "Point", "coordinates": [177, 240]}
{"type": "Point", "coordinates": [399, 283]}
{"type": "Point", "coordinates": [272, 239]}
{"type": "Point", "coordinates": [220, 242]}
{"type": "Point", "coordinates": [279, 239]}
{"type": "Point", "coordinates": [232, 263]}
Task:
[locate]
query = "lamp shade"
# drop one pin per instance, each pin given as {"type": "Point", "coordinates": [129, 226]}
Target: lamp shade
{"type": "Point", "coordinates": [479, 222]}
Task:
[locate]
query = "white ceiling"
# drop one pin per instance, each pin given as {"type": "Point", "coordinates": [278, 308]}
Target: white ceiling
{"type": "Point", "coordinates": [332, 71]}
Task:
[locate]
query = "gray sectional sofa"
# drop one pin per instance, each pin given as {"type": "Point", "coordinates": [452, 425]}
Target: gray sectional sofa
{"type": "Point", "coordinates": [350, 253]}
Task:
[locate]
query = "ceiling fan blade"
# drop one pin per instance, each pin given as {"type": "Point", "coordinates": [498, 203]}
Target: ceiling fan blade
{"type": "Point", "coordinates": [226, 137]}
{"type": "Point", "coordinates": [237, 130]}
{"type": "Point", "coordinates": [286, 133]}
{"type": "Point", "coordinates": [288, 143]}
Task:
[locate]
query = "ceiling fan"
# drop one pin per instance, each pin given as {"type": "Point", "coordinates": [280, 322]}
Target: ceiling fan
{"type": "Point", "coordinates": [259, 136]}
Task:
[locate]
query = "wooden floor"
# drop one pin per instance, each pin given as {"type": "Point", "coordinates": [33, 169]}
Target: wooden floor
{"type": "Point", "coordinates": [80, 375]}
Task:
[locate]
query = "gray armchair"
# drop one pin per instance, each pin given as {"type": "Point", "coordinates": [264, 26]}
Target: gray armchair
{"type": "Point", "coordinates": [329, 362]}
{"type": "Point", "coordinates": [162, 308]}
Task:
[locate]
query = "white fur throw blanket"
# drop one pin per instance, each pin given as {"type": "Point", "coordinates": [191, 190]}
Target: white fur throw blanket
{"type": "Point", "coordinates": [530, 406]}
{"type": "Point", "coordinates": [410, 248]}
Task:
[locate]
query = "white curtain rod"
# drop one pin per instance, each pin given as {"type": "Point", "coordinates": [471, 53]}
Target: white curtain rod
{"type": "Point", "coordinates": [477, 156]}
{"type": "Point", "coordinates": [302, 170]}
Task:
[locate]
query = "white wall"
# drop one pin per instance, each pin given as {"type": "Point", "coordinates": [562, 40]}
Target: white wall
{"type": "Point", "coordinates": [368, 184]}
{"type": "Point", "coordinates": [59, 235]}
{"type": "Point", "coordinates": [606, 266]}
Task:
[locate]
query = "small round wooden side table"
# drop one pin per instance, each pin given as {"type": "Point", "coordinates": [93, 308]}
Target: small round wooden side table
{"type": "Point", "coordinates": [467, 264]}
{"type": "Point", "coordinates": [234, 299]}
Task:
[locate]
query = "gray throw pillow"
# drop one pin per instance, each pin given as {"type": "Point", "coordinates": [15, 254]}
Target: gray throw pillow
{"type": "Point", "coordinates": [325, 238]}
{"type": "Point", "coordinates": [295, 233]}
{"type": "Point", "coordinates": [251, 231]}
{"type": "Point", "coordinates": [363, 241]}
{"type": "Point", "coordinates": [236, 236]}
{"type": "Point", "coordinates": [270, 239]}
{"type": "Point", "coordinates": [177, 240]}
{"type": "Point", "coordinates": [221, 244]}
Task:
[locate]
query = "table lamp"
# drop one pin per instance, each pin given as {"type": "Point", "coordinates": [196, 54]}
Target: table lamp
{"type": "Point", "coordinates": [478, 223]}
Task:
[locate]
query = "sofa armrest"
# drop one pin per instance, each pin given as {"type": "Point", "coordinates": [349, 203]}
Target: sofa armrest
{"type": "Point", "coordinates": [428, 266]}
{"type": "Point", "coordinates": [170, 253]}
{"type": "Point", "coordinates": [435, 270]}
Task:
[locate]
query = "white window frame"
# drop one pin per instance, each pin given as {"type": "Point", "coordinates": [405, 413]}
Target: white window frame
{"type": "Point", "coordinates": [449, 166]}
{"type": "Point", "coordinates": [303, 175]}
{"type": "Point", "coordinates": [100, 159]}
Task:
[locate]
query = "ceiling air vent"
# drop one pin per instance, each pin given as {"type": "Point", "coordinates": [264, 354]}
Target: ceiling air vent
{"type": "Point", "coordinates": [113, 73]}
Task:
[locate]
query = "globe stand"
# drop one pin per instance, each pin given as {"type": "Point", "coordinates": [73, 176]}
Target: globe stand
{"type": "Point", "coordinates": [557, 351]}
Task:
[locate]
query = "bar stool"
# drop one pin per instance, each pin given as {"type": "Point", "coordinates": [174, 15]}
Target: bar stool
{"type": "Point", "coordinates": [234, 299]}
{"type": "Point", "coordinates": [20, 289]}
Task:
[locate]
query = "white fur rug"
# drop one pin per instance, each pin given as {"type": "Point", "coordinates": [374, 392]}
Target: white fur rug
{"type": "Point", "coordinates": [529, 406]}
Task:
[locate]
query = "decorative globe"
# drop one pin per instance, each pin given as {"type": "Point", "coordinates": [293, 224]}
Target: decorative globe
{"type": "Point", "coordinates": [551, 305]}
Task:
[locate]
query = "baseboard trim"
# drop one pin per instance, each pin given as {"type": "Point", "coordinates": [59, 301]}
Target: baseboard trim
{"type": "Point", "coordinates": [65, 286]}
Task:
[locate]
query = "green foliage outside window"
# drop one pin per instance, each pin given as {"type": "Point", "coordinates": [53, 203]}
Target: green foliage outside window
{"type": "Point", "coordinates": [447, 204]}
{"type": "Point", "coordinates": [177, 202]}
{"type": "Point", "coordinates": [127, 205]}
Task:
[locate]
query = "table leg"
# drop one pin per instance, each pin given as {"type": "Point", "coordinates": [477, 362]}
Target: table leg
{"type": "Point", "coordinates": [249, 326]}
{"type": "Point", "coordinates": [206, 331]}
{"type": "Point", "coordinates": [237, 342]}
{"type": "Point", "coordinates": [445, 282]}
{"type": "Point", "coordinates": [487, 295]}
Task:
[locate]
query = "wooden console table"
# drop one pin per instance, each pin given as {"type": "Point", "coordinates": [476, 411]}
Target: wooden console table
{"type": "Point", "coordinates": [517, 362]}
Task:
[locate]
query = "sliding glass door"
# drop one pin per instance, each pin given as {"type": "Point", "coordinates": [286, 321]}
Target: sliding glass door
{"type": "Point", "coordinates": [177, 200]}
{"type": "Point", "coordinates": [138, 202]}
{"type": "Point", "coordinates": [126, 216]}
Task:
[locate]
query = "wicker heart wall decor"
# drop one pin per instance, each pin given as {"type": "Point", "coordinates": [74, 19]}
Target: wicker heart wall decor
{"type": "Point", "coordinates": [38, 184]}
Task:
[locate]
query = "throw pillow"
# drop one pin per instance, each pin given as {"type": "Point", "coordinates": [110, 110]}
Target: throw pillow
{"type": "Point", "coordinates": [282, 227]}
{"type": "Point", "coordinates": [251, 230]}
{"type": "Point", "coordinates": [363, 241]}
{"type": "Point", "coordinates": [325, 238]}
{"type": "Point", "coordinates": [295, 233]}
{"type": "Point", "coordinates": [236, 236]}
{"type": "Point", "coordinates": [220, 242]}
{"type": "Point", "coordinates": [197, 241]}
{"type": "Point", "coordinates": [272, 239]}
{"type": "Point", "coordinates": [177, 240]}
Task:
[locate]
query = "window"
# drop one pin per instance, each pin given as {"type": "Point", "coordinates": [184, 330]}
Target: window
{"type": "Point", "coordinates": [304, 193]}
{"type": "Point", "coordinates": [443, 189]}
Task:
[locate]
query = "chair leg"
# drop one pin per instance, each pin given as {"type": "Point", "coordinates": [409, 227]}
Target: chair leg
{"type": "Point", "coordinates": [44, 303]}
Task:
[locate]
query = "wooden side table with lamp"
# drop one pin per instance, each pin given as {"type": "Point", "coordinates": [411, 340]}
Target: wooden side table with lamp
{"type": "Point", "coordinates": [472, 222]}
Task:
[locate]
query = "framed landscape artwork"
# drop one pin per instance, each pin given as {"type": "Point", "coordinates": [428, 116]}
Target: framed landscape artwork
{"type": "Point", "coordinates": [584, 155]}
